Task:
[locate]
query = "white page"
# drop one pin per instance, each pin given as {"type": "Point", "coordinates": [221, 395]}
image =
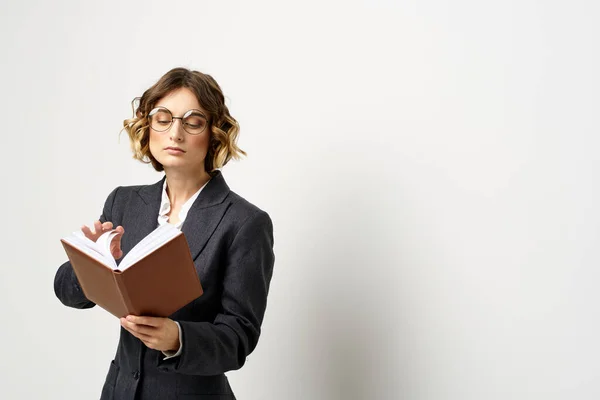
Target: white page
{"type": "Point", "coordinates": [103, 243]}
{"type": "Point", "coordinates": [147, 245]}
{"type": "Point", "coordinates": [89, 247]}
{"type": "Point", "coordinates": [100, 250]}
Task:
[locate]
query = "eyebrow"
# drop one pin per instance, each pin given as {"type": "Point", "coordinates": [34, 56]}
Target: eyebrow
{"type": "Point", "coordinates": [195, 111]}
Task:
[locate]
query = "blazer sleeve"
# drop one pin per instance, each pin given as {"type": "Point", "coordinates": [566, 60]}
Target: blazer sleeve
{"type": "Point", "coordinates": [220, 346]}
{"type": "Point", "coordinates": [66, 285]}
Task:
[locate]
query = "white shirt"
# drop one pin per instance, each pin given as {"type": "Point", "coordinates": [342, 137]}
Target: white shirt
{"type": "Point", "coordinates": [163, 218]}
{"type": "Point", "coordinates": [165, 207]}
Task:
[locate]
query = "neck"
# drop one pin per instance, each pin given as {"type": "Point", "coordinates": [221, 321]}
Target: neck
{"type": "Point", "coordinates": [181, 186]}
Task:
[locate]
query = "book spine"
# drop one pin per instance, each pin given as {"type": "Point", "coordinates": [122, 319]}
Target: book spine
{"type": "Point", "coordinates": [118, 275]}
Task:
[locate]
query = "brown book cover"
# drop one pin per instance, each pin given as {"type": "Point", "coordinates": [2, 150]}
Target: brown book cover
{"type": "Point", "coordinates": [157, 285]}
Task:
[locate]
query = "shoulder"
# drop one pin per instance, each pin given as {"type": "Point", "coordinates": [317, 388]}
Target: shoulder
{"type": "Point", "coordinates": [240, 204]}
{"type": "Point", "coordinates": [241, 211]}
{"type": "Point", "coordinates": [122, 193]}
{"type": "Point", "coordinates": [247, 225]}
{"type": "Point", "coordinates": [126, 191]}
{"type": "Point", "coordinates": [124, 197]}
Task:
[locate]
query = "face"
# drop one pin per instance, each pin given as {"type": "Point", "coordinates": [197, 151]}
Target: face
{"type": "Point", "coordinates": [174, 148]}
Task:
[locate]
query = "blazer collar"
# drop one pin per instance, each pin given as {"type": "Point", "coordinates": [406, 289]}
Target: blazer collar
{"type": "Point", "coordinates": [202, 218]}
{"type": "Point", "coordinates": [214, 193]}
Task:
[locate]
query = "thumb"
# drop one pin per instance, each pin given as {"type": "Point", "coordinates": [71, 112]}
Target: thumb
{"type": "Point", "coordinates": [115, 245]}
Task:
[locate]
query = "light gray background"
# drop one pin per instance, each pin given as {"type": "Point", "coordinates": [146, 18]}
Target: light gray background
{"type": "Point", "coordinates": [430, 168]}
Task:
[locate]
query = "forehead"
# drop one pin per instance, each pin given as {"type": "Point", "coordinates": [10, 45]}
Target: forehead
{"type": "Point", "coordinates": [179, 101]}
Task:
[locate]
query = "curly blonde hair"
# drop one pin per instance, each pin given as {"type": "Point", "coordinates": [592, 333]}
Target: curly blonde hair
{"type": "Point", "coordinates": [224, 129]}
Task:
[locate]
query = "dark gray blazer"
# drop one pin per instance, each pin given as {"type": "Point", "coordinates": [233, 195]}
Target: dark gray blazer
{"type": "Point", "coordinates": [231, 242]}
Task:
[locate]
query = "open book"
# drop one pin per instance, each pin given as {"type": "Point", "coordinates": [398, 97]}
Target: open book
{"type": "Point", "coordinates": [156, 278]}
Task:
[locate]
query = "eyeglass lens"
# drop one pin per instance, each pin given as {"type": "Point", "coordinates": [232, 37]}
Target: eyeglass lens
{"type": "Point", "coordinates": [193, 122]}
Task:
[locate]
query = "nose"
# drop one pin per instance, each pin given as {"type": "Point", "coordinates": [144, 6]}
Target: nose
{"type": "Point", "coordinates": [175, 130]}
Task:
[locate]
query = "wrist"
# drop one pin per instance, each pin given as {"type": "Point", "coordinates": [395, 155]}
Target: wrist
{"type": "Point", "coordinates": [175, 344]}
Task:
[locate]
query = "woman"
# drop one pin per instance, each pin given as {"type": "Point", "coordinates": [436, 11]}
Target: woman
{"type": "Point", "coordinates": [182, 127]}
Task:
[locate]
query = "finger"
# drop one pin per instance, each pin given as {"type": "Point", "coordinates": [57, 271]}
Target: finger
{"type": "Point", "coordinates": [149, 345]}
{"type": "Point", "coordinates": [120, 231]}
{"type": "Point", "coordinates": [98, 227]}
{"type": "Point", "coordinates": [116, 253]}
{"type": "Point", "coordinates": [117, 237]}
{"type": "Point", "coordinates": [145, 329]}
{"type": "Point", "coordinates": [141, 336]}
{"type": "Point", "coordinates": [107, 226]}
{"type": "Point", "coordinates": [149, 321]}
{"type": "Point", "coordinates": [88, 233]}
{"type": "Point", "coordinates": [140, 320]}
{"type": "Point", "coordinates": [142, 330]}
{"type": "Point", "coordinates": [115, 245]}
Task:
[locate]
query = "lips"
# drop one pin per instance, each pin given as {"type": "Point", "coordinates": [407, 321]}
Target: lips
{"type": "Point", "coordinates": [175, 149]}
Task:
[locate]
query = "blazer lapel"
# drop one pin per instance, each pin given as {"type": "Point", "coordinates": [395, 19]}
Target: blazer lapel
{"type": "Point", "coordinates": [141, 217]}
{"type": "Point", "coordinates": [202, 219]}
{"type": "Point", "coordinates": [205, 214]}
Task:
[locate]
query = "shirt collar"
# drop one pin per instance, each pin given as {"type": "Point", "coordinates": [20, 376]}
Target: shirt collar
{"type": "Point", "coordinates": [165, 205]}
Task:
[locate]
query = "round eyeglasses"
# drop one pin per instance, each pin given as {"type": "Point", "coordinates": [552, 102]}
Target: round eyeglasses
{"type": "Point", "coordinates": [193, 121]}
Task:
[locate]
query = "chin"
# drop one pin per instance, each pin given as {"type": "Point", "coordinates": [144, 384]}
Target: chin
{"type": "Point", "coordinates": [174, 164]}
{"type": "Point", "coordinates": [182, 165]}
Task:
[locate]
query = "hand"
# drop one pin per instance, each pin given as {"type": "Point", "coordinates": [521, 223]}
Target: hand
{"type": "Point", "coordinates": [157, 333]}
{"type": "Point", "coordinates": [99, 229]}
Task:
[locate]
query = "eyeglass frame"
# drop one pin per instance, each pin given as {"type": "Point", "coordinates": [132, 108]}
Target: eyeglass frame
{"type": "Point", "coordinates": [185, 115]}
